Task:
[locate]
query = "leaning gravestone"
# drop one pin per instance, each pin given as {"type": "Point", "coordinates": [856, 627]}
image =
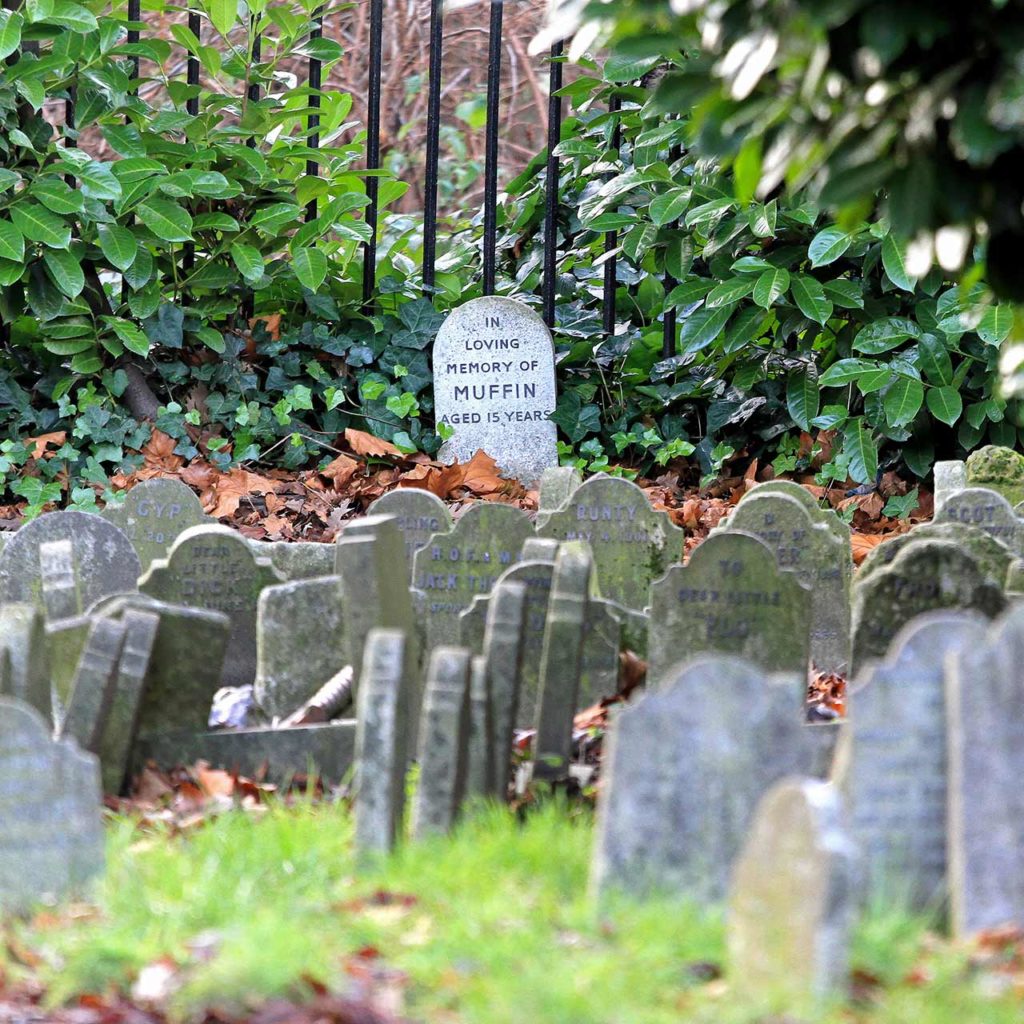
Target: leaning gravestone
{"type": "Point", "coordinates": [686, 765]}
{"type": "Point", "coordinates": [895, 773]}
{"type": "Point", "coordinates": [455, 567]}
{"type": "Point", "coordinates": [480, 749]}
{"type": "Point", "coordinates": [988, 511]}
{"type": "Point", "coordinates": [730, 597]}
{"type": "Point", "coordinates": [105, 562]}
{"type": "Point", "coordinates": [557, 486]}
{"type": "Point", "coordinates": [92, 692]}
{"type": "Point", "coordinates": [999, 469]}
{"type": "Point", "coordinates": [154, 514]}
{"type": "Point", "coordinates": [790, 905]}
{"type": "Point", "coordinates": [986, 799]}
{"type": "Point", "coordinates": [212, 568]}
{"type": "Point", "coordinates": [51, 842]}
{"type": "Point", "coordinates": [632, 544]}
{"type": "Point", "coordinates": [925, 576]}
{"type": "Point", "coordinates": [494, 386]}
{"type": "Point", "coordinates": [419, 514]}
{"type": "Point", "coordinates": [23, 641]}
{"type": "Point", "coordinates": [299, 642]}
{"type": "Point", "coordinates": [820, 559]}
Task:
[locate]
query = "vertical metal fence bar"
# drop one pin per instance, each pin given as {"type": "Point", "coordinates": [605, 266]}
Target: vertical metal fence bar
{"type": "Point", "coordinates": [134, 15]}
{"type": "Point", "coordinates": [433, 145]}
{"type": "Point", "coordinates": [611, 238]}
{"type": "Point", "coordinates": [668, 338]}
{"type": "Point", "coordinates": [491, 146]}
{"type": "Point", "coordinates": [315, 78]}
{"type": "Point", "coordinates": [195, 26]}
{"type": "Point", "coordinates": [248, 306]}
{"type": "Point", "coordinates": [551, 185]}
{"type": "Point", "coordinates": [69, 125]}
{"type": "Point", "coordinates": [373, 149]}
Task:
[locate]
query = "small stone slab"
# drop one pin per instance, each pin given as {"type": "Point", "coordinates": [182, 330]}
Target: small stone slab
{"type": "Point", "coordinates": [104, 560]}
{"type": "Point", "coordinates": [299, 642]}
{"type": "Point", "coordinates": [790, 906]}
{"type": "Point", "coordinates": [154, 514]}
{"type": "Point", "coordinates": [455, 567]}
{"type": "Point", "coordinates": [986, 799]}
{"type": "Point", "coordinates": [686, 765]}
{"type": "Point", "coordinates": [24, 643]}
{"type": "Point", "coordinates": [61, 599]}
{"type": "Point", "coordinates": [92, 692]}
{"type": "Point", "coordinates": [480, 750]}
{"type": "Point", "coordinates": [297, 560]}
{"type": "Point", "coordinates": [733, 598]}
{"type": "Point", "coordinates": [928, 575]}
{"type": "Point", "coordinates": [212, 568]}
{"type": "Point", "coordinates": [987, 510]}
{"type": "Point", "coordinates": [494, 386]}
{"type": "Point", "coordinates": [820, 559]}
{"type": "Point", "coordinates": [999, 469]}
{"type": "Point", "coordinates": [895, 774]}
{"type": "Point", "coordinates": [443, 749]}
{"type": "Point", "coordinates": [381, 755]}
{"type": "Point", "coordinates": [561, 660]}
{"type": "Point", "coordinates": [949, 477]}
{"type": "Point", "coordinates": [51, 842]}
{"type": "Point", "coordinates": [632, 544]}
{"type": "Point", "coordinates": [419, 514]}
{"type": "Point", "coordinates": [557, 486]}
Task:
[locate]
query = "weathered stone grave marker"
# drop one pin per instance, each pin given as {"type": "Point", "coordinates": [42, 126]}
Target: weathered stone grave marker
{"type": "Point", "coordinates": [790, 905]}
{"type": "Point", "coordinates": [988, 511]}
{"type": "Point", "coordinates": [820, 559]}
{"type": "Point", "coordinates": [92, 692]}
{"type": "Point", "coordinates": [494, 386]}
{"type": "Point", "coordinates": [685, 767]}
{"type": "Point", "coordinates": [23, 640]}
{"type": "Point", "coordinates": [986, 799]}
{"type": "Point", "coordinates": [999, 469]}
{"type": "Point", "coordinates": [480, 750]}
{"type": "Point", "coordinates": [105, 562]}
{"type": "Point", "coordinates": [927, 575]}
{"type": "Point", "coordinates": [51, 842]}
{"type": "Point", "coordinates": [895, 771]}
{"type": "Point", "coordinates": [297, 560]}
{"type": "Point", "coordinates": [557, 486]}
{"type": "Point", "coordinates": [212, 568]}
{"type": "Point", "coordinates": [632, 544]}
{"type": "Point", "coordinates": [154, 514]}
{"type": "Point", "coordinates": [733, 598]}
{"type": "Point", "coordinates": [455, 567]}
{"type": "Point", "coordinates": [950, 477]}
{"type": "Point", "coordinates": [419, 515]}
{"type": "Point", "coordinates": [59, 581]}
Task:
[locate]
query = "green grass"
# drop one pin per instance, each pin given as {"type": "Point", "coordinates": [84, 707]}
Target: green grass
{"type": "Point", "coordinates": [500, 929]}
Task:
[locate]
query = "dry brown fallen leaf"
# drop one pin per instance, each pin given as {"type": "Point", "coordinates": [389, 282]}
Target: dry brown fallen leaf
{"type": "Point", "coordinates": [363, 443]}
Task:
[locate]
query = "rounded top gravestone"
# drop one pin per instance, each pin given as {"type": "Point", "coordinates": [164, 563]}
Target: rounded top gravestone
{"type": "Point", "coordinates": [105, 561]}
{"type": "Point", "coordinates": [494, 386]}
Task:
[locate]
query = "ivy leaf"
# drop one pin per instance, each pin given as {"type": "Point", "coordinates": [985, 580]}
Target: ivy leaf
{"type": "Point", "coordinates": [802, 398]}
{"type": "Point", "coordinates": [770, 285]}
{"type": "Point", "coordinates": [310, 267]}
{"type": "Point", "coordinates": [903, 400]}
{"type": "Point", "coordinates": [37, 224]}
{"type": "Point", "coordinates": [827, 246]}
{"type": "Point", "coordinates": [810, 298]}
{"type": "Point", "coordinates": [10, 32]}
{"type": "Point", "coordinates": [65, 271]}
{"type": "Point", "coordinates": [860, 446]}
{"type": "Point", "coordinates": [12, 243]}
{"type": "Point", "coordinates": [883, 335]}
{"type": "Point", "coordinates": [166, 220]}
{"type": "Point", "coordinates": [945, 404]}
{"type": "Point", "coordinates": [249, 261]}
{"type": "Point", "coordinates": [894, 259]}
{"type": "Point", "coordinates": [118, 245]}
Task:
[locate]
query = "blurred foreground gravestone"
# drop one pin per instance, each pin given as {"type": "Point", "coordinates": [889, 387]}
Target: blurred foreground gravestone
{"type": "Point", "coordinates": [51, 842]}
{"type": "Point", "coordinates": [494, 386]}
{"type": "Point", "coordinates": [418, 514]}
{"type": "Point", "coordinates": [987, 510]}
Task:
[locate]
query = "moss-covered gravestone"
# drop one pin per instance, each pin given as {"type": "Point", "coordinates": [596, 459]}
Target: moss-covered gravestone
{"type": "Point", "coordinates": [987, 510]}
{"type": "Point", "coordinates": [999, 469]}
{"type": "Point", "coordinates": [731, 597]}
{"type": "Point", "coordinates": [419, 515]}
{"type": "Point", "coordinates": [633, 545]}
{"type": "Point", "coordinates": [24, 643]}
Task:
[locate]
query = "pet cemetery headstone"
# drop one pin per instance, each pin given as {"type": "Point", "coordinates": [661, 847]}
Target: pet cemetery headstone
{"type": "Point", "coordinates": [105, 562]}
{"type": "Point", "coordinates": [51, 843]}
{"type": "Point", "coordinates": [92, 691]}
{"type": "Point", "coordinates": [23, 643]}
{"type": "Point", "coordinates": [455, 567]}
{"type": "Point", "coordinates": [998, 469]}
{"type": "Point", "coordinates": [895, 771]}
{"type": "Point", "coordinates": [480, 749]}
{"type": "Point", "coordinates": [297, 560]}
{"type": "Point", "coordinates": [443, 749]}
{"type": "Point", "coordinates": [790, 905]}
{"type": "Point", "coordinates": [925, 576]}
{"type": "Point", "coordinates": [685, 766]}
{"type": "Point", "coordinates": [380, 755]}
{"type": "Point", "coordinates": [58, 580]}
{"type": "Point", "coordinates": [949, 477]}
{"type": "Point", "coordinates": [418, 514]}
{"type": "Point", "coordinates": [632, 543]}
{"type": "Point", "coordinates": [494, 386]}
{"type": "Point", "coordinates": [212, 568]}
{"type": "Point", "coordinates": [557, 485]}
{"type": "Point", "coordinates": [988, 511]}
{"type": "Point", "coordinates": [299, 642]}
{"type": "Point", "coordinates": [561, 660]}
{"type": "Point", "coordinates": [820, 559]}
{"type": "Point", "coordinates": [986, 800]}
{"type": "Point", "coordinates": [733, 598]}
{"type": "Point", "coordinates": [154, 514]}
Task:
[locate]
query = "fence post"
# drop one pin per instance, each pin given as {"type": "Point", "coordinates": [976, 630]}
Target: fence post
{"type": "Point", "coordinates": [491, 146]}
{"type": "Point", "coordinates": [315, 80]}
{"type": "Point", "coordinates": [611, 238]}
{"type": "Point", "coordinates": [551, 185]}
{"type": "Point", "coordinates": [373, 151]}
{"type": "Point", "coordinates": [668, 338]}
{"type": "Point", "coordinates": [433, 145]}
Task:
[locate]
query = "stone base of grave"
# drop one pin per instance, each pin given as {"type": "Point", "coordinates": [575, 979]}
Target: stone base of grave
{"type": "Point", "coordinates": [326, 750]}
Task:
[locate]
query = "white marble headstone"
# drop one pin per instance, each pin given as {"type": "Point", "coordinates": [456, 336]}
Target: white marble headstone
{"type": "Point", "coordinates": [494, 385]}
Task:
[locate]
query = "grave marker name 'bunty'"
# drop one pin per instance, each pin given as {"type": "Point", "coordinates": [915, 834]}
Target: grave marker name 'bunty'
{"type": "Point", "coordinates": [494, 386]}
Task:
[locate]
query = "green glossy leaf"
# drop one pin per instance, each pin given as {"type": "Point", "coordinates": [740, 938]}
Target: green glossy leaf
{"type": "Point", "coordinates": [118, 245]}
{"type": "Point", "coordinates": [860, 446]}
{"type": "Point", "coordinates": [223, 14]}
{"type": "Point", "coordinates": [701, 328]}
{"type": "Point", "coordinates": [846, 371]}
{"type": "Point", "coordinates": [845, 294]}
{"type": "Point", "coordinates": [810, 298]}
{"type": "Point", "coordinates": [728, 292]}
{"type": "Point", "coordinates": [73, 16]}
{"type": "Point", "coordinates": [903, 400]}
{"type": "Point", "coordinates": [885, 334]}
{"type": "Point", "coordinates": [679, 256]}
{"type": "Point", "coordinates": [996, 324]}
{"type": "Point", "coordinates": [66, 271]}
{"type": "Point", "coordinates": [57, 195]}
{"type": "Point", "coordinates": [770, 286]}
{"type": "Point", "coordinates": [12, 243]}
{"type": "Point", "coordinates": [134, 337]}
{"type": "Point", "coordinates": [894, 259]}
{"type": "Point", "coordinates": [310, 267]}
{"type": "Point", "coordinates": [802, 398]}
{"type": "Point", "coordinates": [38, 224]}
{"type": "Point", "coordinates": [166, 220]}
{"type": "Point", "coordinates": [10, 32]}
{"type": "Point", "coordinates": [827, 246]}
{"type": "Point", "coordinates": [875, 379]}
{"type": "Point", "coordinates": [249, 261]}
{"type": "Point", "coordinates": [670, 206]}
{"type": "Point", "coordinates": [945, 404]}
{"type": "Point", "coordinates": [934, 360]}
